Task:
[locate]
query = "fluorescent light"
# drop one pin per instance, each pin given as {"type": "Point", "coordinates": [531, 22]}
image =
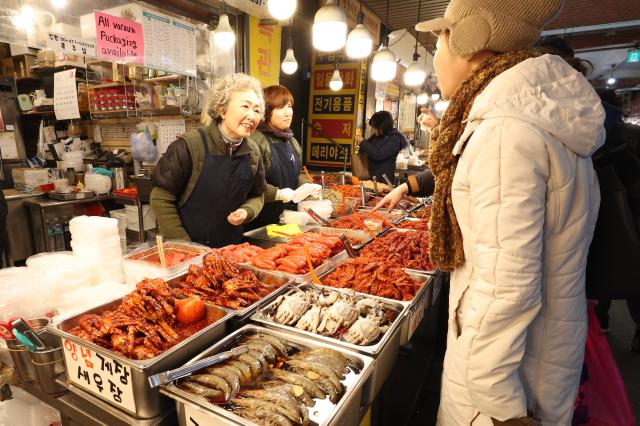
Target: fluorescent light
{"type": "Point", "coordinates": [281, 9]}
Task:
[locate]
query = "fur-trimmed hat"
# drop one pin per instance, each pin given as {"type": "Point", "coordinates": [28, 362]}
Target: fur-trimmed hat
{"type": "Point", "coordinates": [497, 25]}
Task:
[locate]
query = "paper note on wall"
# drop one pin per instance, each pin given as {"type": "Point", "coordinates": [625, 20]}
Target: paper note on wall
{"type": "Point", "coordinates": [119, 39]}
{"type": "Point", "coordinates": [169, 131]}
{"type": "Point", "coordinates": [65, 95]}
{"type": "Point", "coordinates": [8, 146]}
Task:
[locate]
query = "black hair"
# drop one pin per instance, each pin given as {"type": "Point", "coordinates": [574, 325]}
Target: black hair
{"type": "Point", "coordinates": [383, 121]}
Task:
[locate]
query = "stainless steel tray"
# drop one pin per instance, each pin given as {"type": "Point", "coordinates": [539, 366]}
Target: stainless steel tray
{"type": "Point", "coordinates": [385, 350]}
{"type": "Point", "coordinates": [121, 381]}
{"type": "Point", "coordinates": [362, 236]}
{"type": "Point", "coordinates": [433, 271]}
{"type": "Point", "coordinates": [265, 276]}
{"type": "Point", "coordinates": [259, 237]}
{"type": "Point", "coordinates": [397, 215]}
{"type": "Point", "coordinates": [192, 409]}
{"type": "Point", "coordinates": [415, 307]}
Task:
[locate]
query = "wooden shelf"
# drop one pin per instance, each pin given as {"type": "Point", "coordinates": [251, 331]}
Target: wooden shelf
{"type": "Point", "coordinates": [39, 113]}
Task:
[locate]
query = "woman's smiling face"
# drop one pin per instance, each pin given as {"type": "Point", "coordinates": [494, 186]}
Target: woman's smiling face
{"type": "Point", "coordinates": [242, 116]}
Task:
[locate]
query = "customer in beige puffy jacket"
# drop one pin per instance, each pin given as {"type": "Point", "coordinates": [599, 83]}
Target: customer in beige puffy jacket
{"type": "Point", "coordinates": [515, 205]}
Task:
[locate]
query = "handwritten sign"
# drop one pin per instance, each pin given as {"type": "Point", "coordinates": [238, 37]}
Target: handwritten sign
{"type": "Point", "coordinates": [99, 374]}
{"type": "Point", "coordinates": [119, 39]}
{"type": "Point", "coordinates": [68, 44]}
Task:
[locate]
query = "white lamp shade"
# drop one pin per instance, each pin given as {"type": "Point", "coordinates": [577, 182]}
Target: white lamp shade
{"type": "Point", "coordinates": [415, 75]}
{"type": "Point", "coordinates": [435, 97]}
{"type": "Point", "coordinates": [335, 83]}
{"type": "Point", "coordinates": [281, 9]}
{"type": "Point", "coordinates": [329, 28]}
{"type": "Point", "coordinates": [383, 67]}
{"type": "Point", "coordinates": [422, 98]}
{"type": "Point", "coordinates": [441, 106]}
{"type": "Point", "coordinates": [59, 4]}
{"type": "Point", "coordinates": [359, 42]}
{"type": "Point", "coordinates": [289, 63]}
{"type": "Point", "coordinates": [224, 37]}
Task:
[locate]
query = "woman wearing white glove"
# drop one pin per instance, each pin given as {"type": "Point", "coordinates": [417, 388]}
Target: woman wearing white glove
{"type": "Point", "coordinates": [281, 155]}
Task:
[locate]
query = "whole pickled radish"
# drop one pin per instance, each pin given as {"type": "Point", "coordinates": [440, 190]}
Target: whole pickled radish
{"type": "Point", "coordinates": [190, 310]}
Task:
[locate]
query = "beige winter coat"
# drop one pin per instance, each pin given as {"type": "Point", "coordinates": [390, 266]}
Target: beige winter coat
{"type": "Point", "coordinates": [526, 197]}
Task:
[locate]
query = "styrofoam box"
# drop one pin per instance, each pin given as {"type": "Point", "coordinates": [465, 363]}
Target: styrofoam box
{"type": "Point", "coordinates": [148, 217]}
{"type": "Point", "coordinates": [30, 177]}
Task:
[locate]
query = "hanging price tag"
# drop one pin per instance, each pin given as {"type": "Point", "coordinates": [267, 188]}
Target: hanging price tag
{"type": "Point", "coordinates": [72, 45]}
{"type": "Point", "coordinates": [99, 374]}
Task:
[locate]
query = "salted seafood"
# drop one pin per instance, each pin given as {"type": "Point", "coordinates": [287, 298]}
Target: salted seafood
{"type": "Point", "coordinates": [406, 248]}
{"type": "Point", "coordinates": [326, 312]}
{"type": "Point", "coordinates": [364, 330]}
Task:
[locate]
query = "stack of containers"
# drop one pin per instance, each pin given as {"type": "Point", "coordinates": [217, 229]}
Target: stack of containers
{"type": "Point", "coordinates": [63, 270]}
{"type": "Point", "coordinates": [121, 215]}
{"type": "Point", "coordinates": [96, 241]}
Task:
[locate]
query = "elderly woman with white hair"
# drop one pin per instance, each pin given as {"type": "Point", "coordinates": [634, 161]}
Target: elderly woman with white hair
{"type": "Point", "coordinates": [211, 180]}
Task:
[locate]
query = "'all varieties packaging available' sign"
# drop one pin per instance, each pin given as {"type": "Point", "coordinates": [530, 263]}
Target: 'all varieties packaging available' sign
{"type": "Point", "coordinates": [334, 115]}
{"type": "Point", "coordinates": [119, 39]}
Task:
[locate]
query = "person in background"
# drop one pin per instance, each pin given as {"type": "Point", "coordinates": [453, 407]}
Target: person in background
{"type": "Point", "coordinates": [426, 121]}
{"type": "Point", "coordinates": [281, 154]}
{"type": "Point", "coordinates": [383, 146]}
{"type": "Point", "coordinates": [515, 203]}
{"type": "Point", "coordinates": [211, 180]}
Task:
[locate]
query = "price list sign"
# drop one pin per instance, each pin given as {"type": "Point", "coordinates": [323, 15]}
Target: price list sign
{"type": "Point", "coordinates": [170, 43]}
{"type": "Point", "coordinates": [99, 374]}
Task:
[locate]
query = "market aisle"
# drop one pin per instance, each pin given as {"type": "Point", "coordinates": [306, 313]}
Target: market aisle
{"type": "Point", "coordinates": [621, 330]}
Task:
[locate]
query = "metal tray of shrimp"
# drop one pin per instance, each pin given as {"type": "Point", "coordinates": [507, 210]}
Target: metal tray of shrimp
{"type": "Point", "coordinates": [197, 409]}
{"type": "Point", "coordinates": [415, 307]}
{"type": "Point", "coordinates": [384, 348]}
{"type": "Point", "coordinates": [268, 277]}
{"type": "Point", "coordinates": [121, 381]}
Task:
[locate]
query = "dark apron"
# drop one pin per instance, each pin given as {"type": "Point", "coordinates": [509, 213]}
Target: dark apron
{"type": "Point", "coordinates": [223, 185]}
{"type": "Point", "coordinates": [284, 172]}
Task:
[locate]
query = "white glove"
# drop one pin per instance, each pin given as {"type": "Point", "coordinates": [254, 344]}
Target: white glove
{"type": "Point", "coordinates": [305, 190]}
{"type": "Point", "coordinates": [284, 194]}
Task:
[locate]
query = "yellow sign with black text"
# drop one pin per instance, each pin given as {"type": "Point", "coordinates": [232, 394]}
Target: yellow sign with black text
{"type": "Point", "coordinates": [264, 52]}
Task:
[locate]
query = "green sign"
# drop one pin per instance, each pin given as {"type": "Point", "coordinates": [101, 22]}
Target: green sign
{"type": "Point", "coordinates": [633, 56]}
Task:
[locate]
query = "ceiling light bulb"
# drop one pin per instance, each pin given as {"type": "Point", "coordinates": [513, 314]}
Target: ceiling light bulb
{"type": "Point", "coordinates": [25, 19]}
{"type": "Point", "coordinates": [329, 27]}
{"type": "Point", "coordinates": [435, 97]}
{"type": "Point", "coordinates": [289, 64]}
{"type": "Point", "coordinates": [336, 81]}
{"type": "Point", "coordinates": [415, 75]}
{"type": "Point", "coordinates": [422, 98]}
{"type": "Point", "coordinates": [224, 36]}
{"type": "Point", "coordinates": [611, 81]}
{"type": "Point", "coordinates": [441, 106]}
{"type": "Point", "coordinates": [383, 67]}
{"type": "Point", "coordinates": [281, 9]}
{"type": "Point", "coordinates": [359, 42]}
{"type": "Point", "coordinates": [59, 4]}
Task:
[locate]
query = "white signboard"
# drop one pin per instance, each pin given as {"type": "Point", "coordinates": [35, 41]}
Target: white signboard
{"type": "Point", "coordinates": [65, 95]}
{"type": "Point", "coordinates": [72, 45]}
{"type": "Point", "coordinates": [169, 43]}
{"type": "Point", "coordinates": [99, 374]}
{"type": "Point", "coordinates": [415, 317]}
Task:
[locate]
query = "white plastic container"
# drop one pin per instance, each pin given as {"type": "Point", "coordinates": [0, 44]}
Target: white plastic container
{"type": "Point", "coordinates": [324, 208]}
{"type": "Point", "coordinates": [148, 217]}
{"type": "Point", "coordinates": [121, 216]}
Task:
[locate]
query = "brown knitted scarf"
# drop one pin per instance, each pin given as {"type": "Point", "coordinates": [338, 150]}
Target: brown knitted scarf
{"type": "Point", "coordinates": [445, 239]}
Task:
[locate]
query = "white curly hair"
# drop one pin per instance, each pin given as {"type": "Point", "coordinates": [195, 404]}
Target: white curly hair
{"type": "Point", "coordinates": [227, 86]}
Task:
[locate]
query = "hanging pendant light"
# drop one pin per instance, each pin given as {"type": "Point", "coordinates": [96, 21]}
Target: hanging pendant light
{"type": "Point", "coordinates": [415, 74]}
{"type": "Point", "coordinates": [335, 83]}
{"type": "Point", "coordinates": [289, 63]}
{"type": "Point", "coordinates": [422, 98]}
{"type": "Point", "coordinates": [359, 42]}
{"type": "Point", "coordinates": [329, 27]}
{"type": "Point", "coordinates": [223, 36]}
{"type": "Point", "coordinates": [383, 66]}
{"type": "Point", "coordinates": [281, 9]}
{"type": "Point", "coordinates": [435, 97]}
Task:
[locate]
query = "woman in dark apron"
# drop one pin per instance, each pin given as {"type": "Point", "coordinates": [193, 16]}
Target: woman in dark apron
{"type": "Point", "coordinates": [281, 154]}
{"type": "Point", "coordinates": [211, 180]}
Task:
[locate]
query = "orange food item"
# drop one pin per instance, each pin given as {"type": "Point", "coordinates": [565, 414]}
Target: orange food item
{"type": "Point", "coordinates": [355, 180]}
{"type": "Point", "coordinates": [190, 310]}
